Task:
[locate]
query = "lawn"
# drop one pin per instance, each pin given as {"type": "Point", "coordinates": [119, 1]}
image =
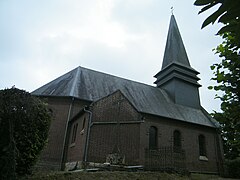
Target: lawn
{"type": "Point", "coordinates": [118, 175]}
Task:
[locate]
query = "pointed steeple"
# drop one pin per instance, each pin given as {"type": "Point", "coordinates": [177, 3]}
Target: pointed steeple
{"type": "Point", "coordinates": [174, 51]}
{"type": "Point", "coordinates": [177, 76]}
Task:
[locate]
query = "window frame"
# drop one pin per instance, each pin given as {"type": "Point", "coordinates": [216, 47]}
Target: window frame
{"type": "Point", "coordinates": [153, 137]}
{"type": "Point", "coordinates": [202, 147]}
{"type": "Point", "coordinates": [177, 139]}
{"type": "Point", "coordinates": [74, 133]}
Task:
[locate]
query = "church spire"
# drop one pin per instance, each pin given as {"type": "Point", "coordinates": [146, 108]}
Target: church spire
{"type": "Point", "coordinates": [177, 76]}
{"type": "Point", "coordinates": [174, 51]}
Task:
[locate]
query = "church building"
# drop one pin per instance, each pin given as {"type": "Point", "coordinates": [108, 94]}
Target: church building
{"type": "Point", "coordinates": [100, 118]}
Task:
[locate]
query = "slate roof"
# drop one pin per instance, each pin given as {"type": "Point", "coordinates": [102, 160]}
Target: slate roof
{"type": "Point", "coordinates": [175, 60]}
{"type": "Point", "coordinates": [92, 85]}
{"type": "Point", "coordinates": [175, 51]}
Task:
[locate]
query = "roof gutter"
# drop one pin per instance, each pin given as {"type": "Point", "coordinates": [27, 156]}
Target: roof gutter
{"type": "Point", "coordinates": [85, 155]}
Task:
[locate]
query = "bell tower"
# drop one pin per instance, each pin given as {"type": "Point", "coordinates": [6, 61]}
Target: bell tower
{"type": "Point", "coordinates": [177, 76]}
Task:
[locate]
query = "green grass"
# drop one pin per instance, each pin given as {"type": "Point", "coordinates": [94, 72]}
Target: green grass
{"type": "Point", "coordinates": [118, 175]}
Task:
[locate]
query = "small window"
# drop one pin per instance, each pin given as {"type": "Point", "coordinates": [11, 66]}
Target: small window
{"type": "Point", "coordinates": [153, 135]}
{"type": "Point", "coordinates": [202, 145]}
{"type": "Point", "coordinates": [83, 124]}
{"type": "Point", "coordinates": [177, 143]}
{"type": "Point", "coordinates": [74, 133]}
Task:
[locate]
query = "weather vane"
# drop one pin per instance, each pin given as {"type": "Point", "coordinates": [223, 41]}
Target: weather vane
{"type": "Point", "coordinates": [172, 10]}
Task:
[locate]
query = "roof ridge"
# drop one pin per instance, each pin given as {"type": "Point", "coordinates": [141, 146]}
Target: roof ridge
{"type": "Point", "coordinates": [75, 81]}
{"type": "Point", "coordinates": [100, 72]}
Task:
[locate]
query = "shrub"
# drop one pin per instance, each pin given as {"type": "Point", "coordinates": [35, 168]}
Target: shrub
{"type": "Point", "coordinates": [24, 122]}
{"type": "Point", "coordinates": [233, 168]}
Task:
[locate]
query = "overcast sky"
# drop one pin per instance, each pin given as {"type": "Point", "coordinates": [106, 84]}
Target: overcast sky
{"type": "Point", "coordinates": [43, 39]}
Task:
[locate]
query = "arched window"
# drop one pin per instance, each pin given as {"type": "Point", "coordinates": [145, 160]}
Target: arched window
{"type": "Point", "coordinates": [74, 133]}
{"type": "Point", "coordinates": [202, 145]}
{"type": "Point", "coordinates": [153, 134]}
{"type": "Point", "coordinates": [177, 143]}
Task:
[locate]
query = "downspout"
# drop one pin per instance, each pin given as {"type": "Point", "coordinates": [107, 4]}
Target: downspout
{"type": "Point", "coordinates": [85, 155]}
{"type": "Point", "coordinates": [65, 135]}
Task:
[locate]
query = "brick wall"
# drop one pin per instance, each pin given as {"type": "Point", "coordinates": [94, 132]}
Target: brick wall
{"type": "Point", "coordinates": [103, 141]}
{"type": "Point", "coordinates": [51, 156]}
{"type": "Point", "coordinates": [116, 123]}
{"type": "Point", "coordinates": [114, 107]}
{"type": "Point", "coordinates": [190, 144]}
{"type": "Point", "coordinates": [76, 148]}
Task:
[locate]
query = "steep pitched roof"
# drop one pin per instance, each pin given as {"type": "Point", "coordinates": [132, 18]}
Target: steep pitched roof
{"type": "Point", "coordinates": [175, 61]}
{"type": "Point", "coordinates": [92, 85]}
{"type": "Point", "coordinates": [174, 51]}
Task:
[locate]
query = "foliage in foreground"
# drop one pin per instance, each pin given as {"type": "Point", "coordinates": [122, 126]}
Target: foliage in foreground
{"type": "Point", "coordinates": [227, 71]}
{"type": "Point", "coordinates": [228, 14]}
{"type": "Point", "coordinates": [227, 75]}
{"type": "Point", "coordinates": [24, 122]}
{"type": "Point", "coordinates": [233, 168]}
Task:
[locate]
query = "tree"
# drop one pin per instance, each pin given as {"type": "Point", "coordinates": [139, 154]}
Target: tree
{"type": "Point", "coordinates": [227, 75]}
{"type": "Point", "coordinates": [228, 14]}
{"type": "Point", "coordinates": [24, 122]}
{"type": "Point", "coordinates": [227, 71]}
